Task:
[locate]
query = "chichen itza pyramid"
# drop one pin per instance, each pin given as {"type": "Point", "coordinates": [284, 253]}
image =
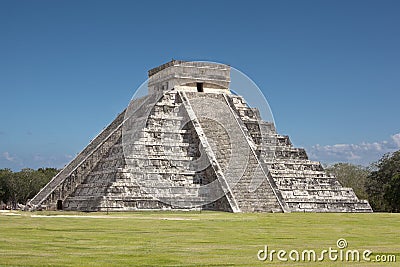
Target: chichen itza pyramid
{"type": "Point", "coordinates": [193, 144]}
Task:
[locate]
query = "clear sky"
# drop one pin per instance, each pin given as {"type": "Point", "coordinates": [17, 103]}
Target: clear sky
{"type": "Point", "coordinates": [329, 69]}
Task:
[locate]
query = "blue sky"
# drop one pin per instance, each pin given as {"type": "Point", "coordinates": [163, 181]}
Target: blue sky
{"type": "Point", "coordinates": [329, 69]}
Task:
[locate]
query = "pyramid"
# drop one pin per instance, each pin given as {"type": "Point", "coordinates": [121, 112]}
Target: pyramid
{"type": "Point", "coordinates": [190, 143]}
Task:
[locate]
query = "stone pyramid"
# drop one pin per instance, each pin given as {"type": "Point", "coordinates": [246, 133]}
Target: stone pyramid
{"type": "Point", "coordinates": [192, 144]}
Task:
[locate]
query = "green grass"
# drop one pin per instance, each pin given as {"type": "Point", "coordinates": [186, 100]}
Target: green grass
{"type": "Point", "coordinates": [188, 238]}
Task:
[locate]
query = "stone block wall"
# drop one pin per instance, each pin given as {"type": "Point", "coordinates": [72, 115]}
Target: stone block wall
{"type": "Point", "coordinates": [184, 148]}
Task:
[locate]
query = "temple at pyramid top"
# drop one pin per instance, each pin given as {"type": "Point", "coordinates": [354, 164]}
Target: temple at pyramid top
{"type": "Point", "coordinates": [191, 144]}
{"type": "Point", "coordinates": [190, 76]}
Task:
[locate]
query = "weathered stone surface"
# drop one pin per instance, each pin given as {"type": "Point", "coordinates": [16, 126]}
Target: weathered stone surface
{"type": "Point", "coordinates": [191, 144]}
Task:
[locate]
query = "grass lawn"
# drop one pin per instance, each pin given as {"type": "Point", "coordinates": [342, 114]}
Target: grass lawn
{"type": "Point", "coordinates": [189, 238]}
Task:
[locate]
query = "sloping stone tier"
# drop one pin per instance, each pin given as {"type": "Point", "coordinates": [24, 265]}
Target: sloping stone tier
{"type": "Point", "coordinates": [172, 152]}
{"type": "Point", "coordinates": [303, 184]}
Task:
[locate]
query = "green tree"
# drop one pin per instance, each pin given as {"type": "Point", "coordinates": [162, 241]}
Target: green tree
{"type": "Point", "coordinates": [383, 184]}
{"type": "Point", "coordinates": [19, 187]}
{"type": "Point", "coordinates": [4, 191]}
{"type": "Point", "coordinates": [353, 176]}
{"type": "Point", "coordinates": [42, 177]}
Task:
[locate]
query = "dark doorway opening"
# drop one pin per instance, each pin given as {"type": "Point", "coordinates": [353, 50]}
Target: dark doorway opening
{"type": "Point", "coordinates": [59, 204]}
{"type": "Point", "coordinates": [200, 87]}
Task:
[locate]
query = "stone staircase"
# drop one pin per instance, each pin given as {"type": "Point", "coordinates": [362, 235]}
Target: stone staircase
{"type": "Point", "coordinates": [155, 170]}
{"type": "Point", "coordinates": [251, 167]}
{"type": "Point", "coordinates": [303, 184]}
{"type": "Point", "coordinates": [65, 182]}
{"type": "Point", "coordinates": [191, 144]}
{"type": "Point", "coordinates": [75, 172]}
{"type": "Point", "coordinates": [247, 183]}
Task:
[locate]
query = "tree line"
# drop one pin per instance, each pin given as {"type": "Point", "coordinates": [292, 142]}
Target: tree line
{"type": "Point", "coordinates": [379, 183]}
{"type": "Point", "coordinates": [18, 187]}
